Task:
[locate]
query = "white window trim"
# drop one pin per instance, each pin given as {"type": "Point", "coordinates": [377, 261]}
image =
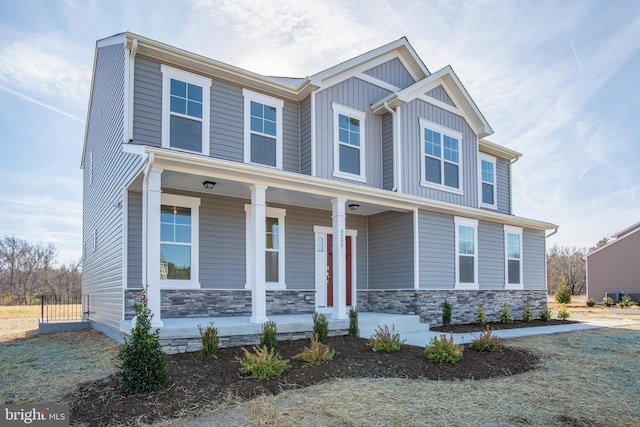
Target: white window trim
{"type": "Point", "coordinates": [512, 230]}
{"type": "Point", "coordinates": [493, 160]}
{"type": "Point", "coordinates": [278, 104]}
{"type": "Point", "coordinates": [467, 222]}
{"type": "Point", "coordinates": [426, 124]}
{"type": "Point", "coordinates": [356, 114]}
{"type": "Point", "coordinates": [169, 73]}
{"type": "Point", "coordinates": [194, 204]}
{"type": "Point", "coordinates": [281, 284]}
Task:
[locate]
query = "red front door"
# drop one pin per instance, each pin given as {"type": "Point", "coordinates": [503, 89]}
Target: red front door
{"type": "Point", "coordinates": [330, 271]}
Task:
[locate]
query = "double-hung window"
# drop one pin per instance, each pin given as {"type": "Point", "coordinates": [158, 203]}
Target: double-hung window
{"type": "Point", "coordinates": [441, 160]}
{"type": "Point", "coordinates": [513, 257]}
{"type": "Point", "coordinates": [274, 247]}
{"type": "Point", "coordinates": [487, 181]}
{"type": "Point", "coordinates": [179, 239]}
{"type": "Point", "coordinates": [262, 129]}
{"type": "Point", "coordinates": [466, 248]}
{"type": "Point", "coordinates": [185, 110]}
{"type": "Point", "coordinates": [349, 143]}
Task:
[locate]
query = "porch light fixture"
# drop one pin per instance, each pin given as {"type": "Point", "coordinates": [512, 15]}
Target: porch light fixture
{"type": "Point", "coordinates": [354, 206]}
{"type": "Point", "coordinates": [208, 185]}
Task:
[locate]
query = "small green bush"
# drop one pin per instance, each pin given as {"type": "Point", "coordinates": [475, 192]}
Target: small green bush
{"type": "Point", "coordinates": [210, 341]}
{"type": "Point", "coordinates": [386, 340]}
{"type": "Point", "coordinates": [505, 315]}
{"type": "Point", "coordinates": [316, 354]}
{"type": "Point", "coordinates": [443, 350]}
{"type": "Point", "coordinates": [591, 302]}
{"type": "Point", "coordinates": [320, 326]}
{"type": "Point", "coordinates": [527, 315]}
{"type": "Point", "coordinates": [262, 363]}
{"type": "Point", "coordinates": [563, 293]}
{"type": "Point", "coordinates": [354, 330]}
{"type": "Point", "coordinates": [447, 309]}
{"type": "Point", "coordinates": [607, 301]}
{"type": "Point", "coordinates": [487, 342]}
{"type": "Point", "coordinates": [563, 314]}
{"type": "Point", "coordinates": [545, 313]}
{"type": "Point", "coordinates": [269, 335]}
{"type": "Point", "coordinates": [625, 301]}
{"type": "Point", "coordinates": [481, 316]}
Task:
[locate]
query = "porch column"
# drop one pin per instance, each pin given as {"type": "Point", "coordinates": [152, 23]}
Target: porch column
{"type": "Point", "coordinates": [257, 252]}
{"type": "Point", "coordinates": [339, 258]}
{"type": "Point", "coordinates": [151, 199]}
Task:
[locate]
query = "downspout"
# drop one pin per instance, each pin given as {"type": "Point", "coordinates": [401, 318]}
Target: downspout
{"type": "Point", "coordinates": [132, 63]}
{"type": "Point", "coordinates": [552, 233]}
{"type": "Point", "coordinates": [313, 133]}
{"type": "Point", "coordinates": [145, 235]}
{"type": "Point", "coordinates": [511, 184]}
{"type": "Point", "coordinates": [396, 171]}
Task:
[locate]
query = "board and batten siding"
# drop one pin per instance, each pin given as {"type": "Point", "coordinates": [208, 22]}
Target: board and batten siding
{"type": "Point", "coordinates": [534, 259]}
{"type": "Point", "coordinates": [387, 151]}
{"type": "Point", "coordinates": [391, 251]}
{"type": "Point", "coordinates": [359, 95]}
{"type": "Point", "coordinates": [436, 234]}
{"type": "Point", "coordinates": [392, 72]}
{"type": "Point", "coordinates": [305, 136]}
{"type": "Point", "coordinates": [441, 95]}
{"type": "Point", "coordinates": [490, 255]}
{"type": "Point", "coordinates": [412, 153]}
{"type": "Point", "coordinates": [103, 212]}
{"type": "Point", "coordinates": [503, 168]}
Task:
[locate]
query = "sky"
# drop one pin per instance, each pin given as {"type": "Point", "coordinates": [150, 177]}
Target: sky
{"type": "Point", "coordinates": [557, 81]}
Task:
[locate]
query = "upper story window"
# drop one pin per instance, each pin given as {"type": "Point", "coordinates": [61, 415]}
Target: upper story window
{"type": "Point", "coordinates": [179, 239]}
{"type": "Point", "coordinates": [466, 253]}
{"type": "Point", "coordinates": [185, 110]}
{"type": "Point", "coordinates": [349, 143]}
{"type": "Point", "coordinates": [441, 164]}
{"type": "Point", "coordinates": [487, 181]}
{"type": "Point", "coordinates": [513, 257]}
{"type": "Point", "coordinates": [262, 129]}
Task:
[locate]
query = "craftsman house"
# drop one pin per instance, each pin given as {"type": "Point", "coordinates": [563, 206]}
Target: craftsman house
{"type": "Point", "coordinates": [369, 184]}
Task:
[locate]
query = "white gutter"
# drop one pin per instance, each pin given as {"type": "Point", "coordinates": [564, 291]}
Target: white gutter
{"type": "Point", "coordinates": [131, 66]}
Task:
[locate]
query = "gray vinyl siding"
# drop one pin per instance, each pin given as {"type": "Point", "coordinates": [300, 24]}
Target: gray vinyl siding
{"type": "Point", "coordinates": [147, 102]}
{"type": "Point", "coordinates": [441, 95]}
{"type": "Point", "coordinates": [534, 259]}
{"type": "Point", "coordinates": [305, 136]}
{"type": "Point", "coordinates": [392, 72]}
{"type": "Point", "coordinates": [413, 149]}
{"type": "Point", "coordinates": [134, 240]}
{"type": "Point", "coordinates": [502, 186]}
{"type": "Point", "coordinates": [291, 137]}
{"type": "Point", "coordinates": [391, 251]}
{"type": "Point", "coordinates": [436, 250]}
{"type": "Point", "coordinates": [359, 223]}
{"type": "Point", "coordinates": [227, 121]}
{"type": "Point", "coordinates": [491, 255]}
{"type": "Point", "coordinates": [387, 151]}
{"type": "Point", "coordinates": [359, 95]}
{"type": "Point", "coordinates": [102, 276]}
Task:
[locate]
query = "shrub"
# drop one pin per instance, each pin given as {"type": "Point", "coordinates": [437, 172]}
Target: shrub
{"type": "Point", "coordinates": [607, 301]}
{"type": "Point", "coordinates": [316, 354]}
{"type": "Point", "coordinates": [320, 326]}
{"type": "Point", "coordinates": [385, 339]}
{"type": "Point", "coordinates": [481, 316]}
{"type": "Point", "coordinates": [625, 301]}
{"type": "Point", "coordinates": [210, 341]}
{"type": "Point", "coordinates": [447, 309]}
{"type": "Point", "coordinates": [505, 316]}
{"type": "Point", "coordinates": [563, 293]}
{"type": "Point", "coordinates": [527, 315]}
{"type": "Point", "coordinates": [141, 360]}
{"type": "Point", "coordinates": [545, 313]}
{"type": "Point", "coordinates": [591, 302]}
{"type": "Point", "coordinates": [443, 350]}
{"type": "Point", "coordinates": [262, 363]}
{"type": "Point", "coordinates": [268, 335]}
{"type": "Point", "coordinates": [563, 314]}
{"type": "Point", "coordinates": [354, 330]}
{"type": "Point", "coordinates": [487, 342]}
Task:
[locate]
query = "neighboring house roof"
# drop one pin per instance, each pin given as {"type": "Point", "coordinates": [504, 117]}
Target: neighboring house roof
{"type": "Point", "coordinates": [629, 231]}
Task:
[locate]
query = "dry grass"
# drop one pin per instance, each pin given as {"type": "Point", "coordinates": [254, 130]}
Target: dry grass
{"type": "Point", "coordinates": [580, 311]}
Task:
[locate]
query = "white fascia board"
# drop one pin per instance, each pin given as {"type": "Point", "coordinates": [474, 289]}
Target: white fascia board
{"type": "Point", "coordinates": [113, 40]}
{"type": "Point", "coordinates": [496, 150]}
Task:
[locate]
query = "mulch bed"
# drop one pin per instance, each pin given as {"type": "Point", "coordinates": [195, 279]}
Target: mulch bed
{"type": "Point", "coordinates": [197, 383]}
{"type": "Point", "coordinates": [474, 327]}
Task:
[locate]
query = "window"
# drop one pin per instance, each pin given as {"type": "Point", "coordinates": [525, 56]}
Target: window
{"type": "Point", "coordinates": [466, 253]}
{"type": "Point", "coordinates": [487, 181]}
{"type": "Point", "coordinates": [274, 247]}
{"type": "Point", "coordinates": [513, 257]}
{"type": "Point", "coordinates": [179, 238]}
{"type": "Point", "coordinates": [262, 129]}
{"type": "Point", "coordinates": [185, 110]}
{"type": "Point", "coordinates": [441, 159]}
{"type": "Point", "coordinates": [349, 143]}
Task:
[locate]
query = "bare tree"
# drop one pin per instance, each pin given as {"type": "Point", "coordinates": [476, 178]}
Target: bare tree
{"type": "Point", "coordinates": [566, 265]}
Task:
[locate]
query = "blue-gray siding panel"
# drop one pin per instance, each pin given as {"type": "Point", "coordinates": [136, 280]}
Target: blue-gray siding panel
{"type": "Point", "coordinates": [387, 151]}
{"type": "Point", "coordinates": [291, 137]}
{"type": "Point", "coordinates": [502, 186]}
{"type": "Point", "coordinates": [534, 259]}
{"type": "Point", "coordinates": [392, 72]}
{"type": "Point", "coordinates": [391, 251]}
{"type": "Point", "coordinates": [227, 121]}
{"type": "Point", "coordinates": [134, 240]}
{"type": "Point", "coordinates": [490, 255]}
{"type": "Point", "coordinates": [436, 236]}
{"type": "Point", "coordinates": [412, 153]}
{"type": "Point", "coordinates": [359, 223]}
{"type": "Point", "coordinates": [305, 136]}
{"type": "Point", "coordinates": [147, 102]}
{"type": "Point", "coordinates": [441, 95]}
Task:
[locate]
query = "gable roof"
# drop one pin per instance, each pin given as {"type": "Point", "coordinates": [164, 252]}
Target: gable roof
{"type": "Point", "coordinates": [629, 231]}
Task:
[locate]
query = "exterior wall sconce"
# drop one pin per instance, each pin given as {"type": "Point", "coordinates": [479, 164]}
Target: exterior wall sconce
{"type": "Point", "coordinates": [354, 206]}
{"type": "Point", "coordinates": [208, 185]}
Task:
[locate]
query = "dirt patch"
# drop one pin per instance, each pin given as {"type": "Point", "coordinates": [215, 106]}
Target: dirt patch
{"type": "Point", "coordinates": [198, 384]}
{"type": "Point", "coordinates": [474, 327]}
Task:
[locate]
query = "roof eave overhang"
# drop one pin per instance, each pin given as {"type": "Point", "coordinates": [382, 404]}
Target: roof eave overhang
{"type": "Point", "coordinates": [496, 150]}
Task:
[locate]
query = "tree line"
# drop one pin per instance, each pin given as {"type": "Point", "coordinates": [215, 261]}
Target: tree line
{"type": "Point", "coordinates": [29, 270]}
{"type": "Point", "coordinates": [568, 266]}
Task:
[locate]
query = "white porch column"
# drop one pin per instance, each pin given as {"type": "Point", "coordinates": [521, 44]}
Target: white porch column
{"type": "Point", "coordinates": [339, 258]}
{"type": "Point", "coordinates": [151, 199]}
{"type": "Point", "coordinates": [257, 252]}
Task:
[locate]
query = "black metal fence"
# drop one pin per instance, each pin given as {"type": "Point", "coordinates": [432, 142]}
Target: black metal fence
{"type": "Point", "coordinates": [57, 308]}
